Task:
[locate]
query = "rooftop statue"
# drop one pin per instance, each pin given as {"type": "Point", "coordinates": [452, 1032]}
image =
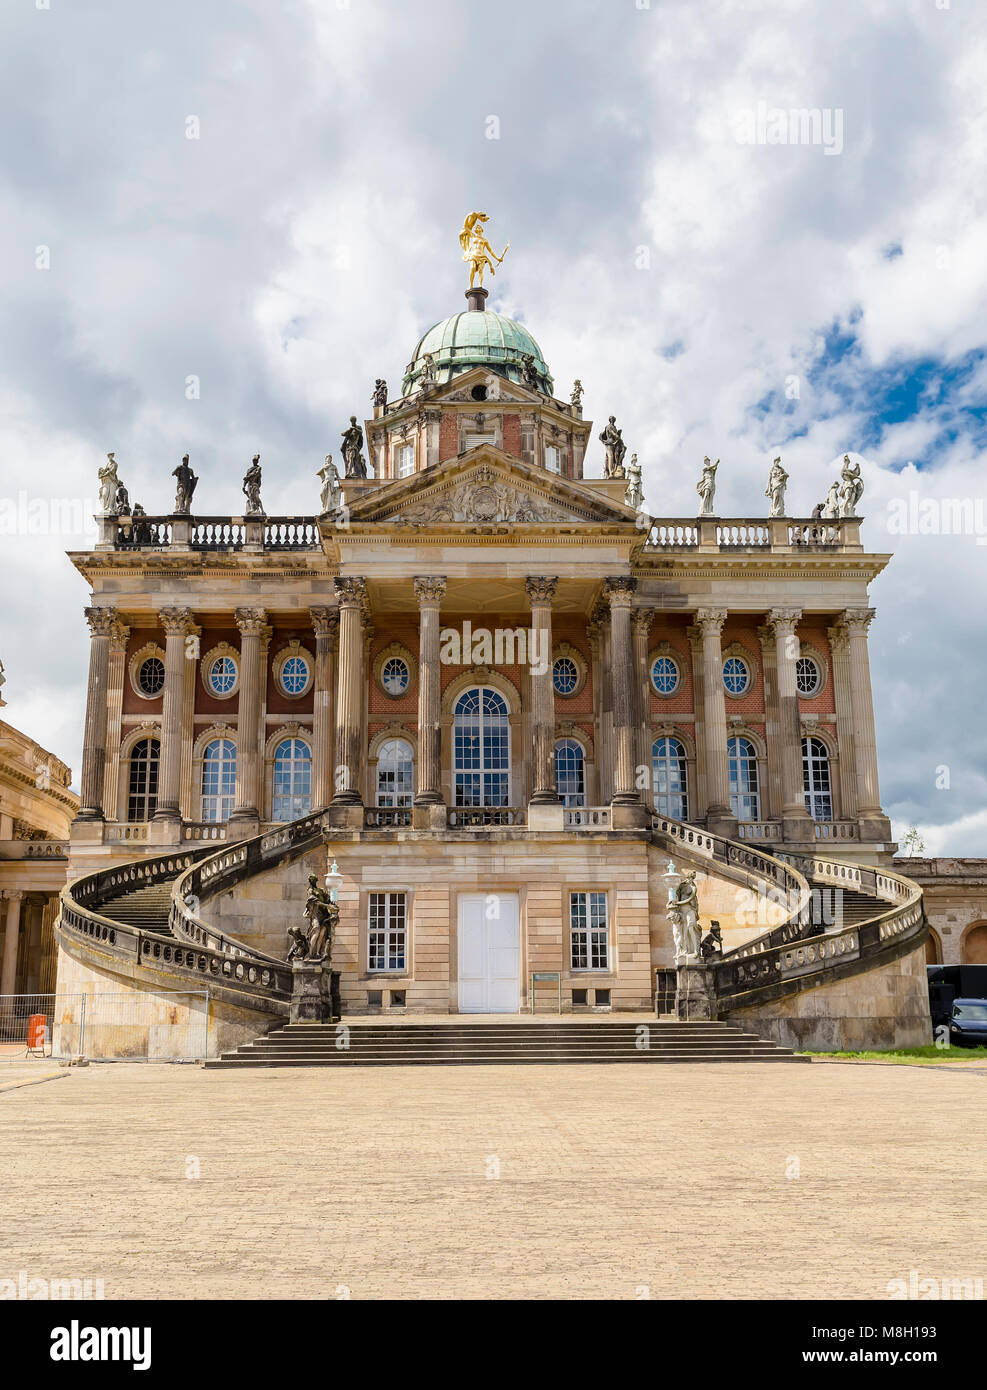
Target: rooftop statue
{"type": "Point", "coordinates": [122, 501]}
{"type": "Point", "coordinates": [251, 487]}
{"type": "Point", "coordinates": [613, 465]}
{"type": "Point", "coordinates": [634, 495]}
{"type": "Point", "coordinates": [852, 489]}
{"type": "Point", "coordinates": [186, 487]}
{"type": "Point", "coordinates": [831, 506]}
{"type": "Point", "coordinates": [477, 251]}
{"type": "Point", "coordinates": [380, 391]}
{"type": "Point", "coordinates": [330, 485]}
{"type": "Point", "coordinates": [706, 487]}
{"type": "Point", "coordinates": [141, 533]}
{"type": "Point", "coordinates": [108, 484]}
{"type": "Point", "coordinates": [356, 464]}
{"type": "Point", "coordinates": [775, 490]}
{"type": "Point", "coordinates": [576, 399]}
{"type": "Point", "coordinates": [428, 371]}
{"type": "Point", "coordinates": [529, 375]}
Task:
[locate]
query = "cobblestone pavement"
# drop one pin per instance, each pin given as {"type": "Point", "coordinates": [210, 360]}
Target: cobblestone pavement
{"type": "Point", "coordinates": [614, 1182]}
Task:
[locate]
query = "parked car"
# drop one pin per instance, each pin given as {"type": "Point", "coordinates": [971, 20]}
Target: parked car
{"type": "Point", "coordinates": [950, 982]}
{"type": "Point", "coordinates": [968, 1023]}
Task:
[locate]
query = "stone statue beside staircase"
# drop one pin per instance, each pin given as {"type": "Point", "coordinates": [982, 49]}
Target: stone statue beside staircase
{"type": "Point", "coordinates": [315, 985]}
{"type": "Point", "coordinates": [695, 993]}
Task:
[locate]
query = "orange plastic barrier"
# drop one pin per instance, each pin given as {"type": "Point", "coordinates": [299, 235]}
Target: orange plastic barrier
{"type": "Point", "coordinates": [36, 1033]}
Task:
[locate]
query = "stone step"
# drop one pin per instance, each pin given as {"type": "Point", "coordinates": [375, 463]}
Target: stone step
{"type": "Point", "coordinates": [488, 1059]}
{"type": "Point", "coordinates": [514, 1043]}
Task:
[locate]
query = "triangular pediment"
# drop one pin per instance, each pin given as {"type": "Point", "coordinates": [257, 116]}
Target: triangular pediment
{"type": "Point", "coordinates": [483, 487]}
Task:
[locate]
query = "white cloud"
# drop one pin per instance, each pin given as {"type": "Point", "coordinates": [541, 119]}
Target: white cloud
{"type": "Point", "coordinates": [300, 247]}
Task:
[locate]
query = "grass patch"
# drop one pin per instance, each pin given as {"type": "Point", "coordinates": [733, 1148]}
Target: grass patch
{"type": "Point", "coordinates": [912, 1055]}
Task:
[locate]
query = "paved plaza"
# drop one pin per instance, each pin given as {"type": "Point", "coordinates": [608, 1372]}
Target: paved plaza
{"type": "Point", "coordinates": [616, 1182]}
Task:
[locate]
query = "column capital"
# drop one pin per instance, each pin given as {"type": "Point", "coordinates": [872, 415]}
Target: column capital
{"type": "Point", "coordinates": [101, 621]}
{"type": "Point", "coordinates": [325, 621]}
{"type": "Point", "coordinates": [620, 590]}
{"type": "Point", "coordinates": [352, 592]}
{"type": "Point", "coordinates": [251, 621]}
{"type": "Point", "coordinates": [119, 636]}
{"type": "Point", "coordinates": [641, 619]}
{"type": "Point", "coordinates": [766, 636]}
{"type": "Point", "coordinates": [177, 622]}
{"type": "Point", "coordinates": [13, 895]}
{"type": "Point", "coordinates": [429, 588]}
{"type": "Point", "coordinates": [857, 620]}
{"type": "Point", "coordinates": [783, 621]}
{"type": "Point", "coordinates": [839, 638]}
{"type": "Point", "coordinates": [540, 590]}
{"type": "Point", "coordinates": [710, 621]}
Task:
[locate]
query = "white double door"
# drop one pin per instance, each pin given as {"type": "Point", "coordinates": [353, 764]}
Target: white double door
{"type": "Point", "coordinates": [489, 953]}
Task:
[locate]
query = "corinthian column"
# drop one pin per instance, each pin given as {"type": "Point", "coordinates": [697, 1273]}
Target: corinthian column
{"type": "Point", "coordinates": [252, 623]}
{"type": "Point", "coordinates": [794, 816]}
{"type": "Point", "coordinates": [839, 646]}
{"type": "Point", "coordinates": [101, 623]}
{"type": "Point", "coordinates": [429, 591]}
{"type": "Point", "coordinates": [641, 620]}
{"type": "Point", "coordinates": [119, 636]}
{"type": "Point", "coordinates": [325, 621]}
{"type": "Point", "coordinates": [177, 623]}
{"type": "Point", "coordinates": [349, 702]}
{"type": "Point", "coordinates": [541, 593]}
{"type": "Point", "coordinates": [12, 929]}
{"type": "Point", "coordinates": [874, 824]}
{"type": "Point", "coordinates": [627, 808]}
{"type": "Point", "coordinates": [719, 817]}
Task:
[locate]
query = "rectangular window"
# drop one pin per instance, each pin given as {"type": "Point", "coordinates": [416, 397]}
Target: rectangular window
{"type": "Point", "coordinates": [588, 931]}
{"type": "Point", "coordinates": [388, 935]}
{"type": "Point", "coordinates": [406, 460]}
{"type": "Point", "coordinates": [553, 458]}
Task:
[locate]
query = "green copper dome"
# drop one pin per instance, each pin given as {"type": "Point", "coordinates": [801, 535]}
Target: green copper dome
{"type": "Point", "coordinates": [477, 338]}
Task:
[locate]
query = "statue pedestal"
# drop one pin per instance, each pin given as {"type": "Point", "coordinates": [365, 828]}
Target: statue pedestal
{"type": "Point", "coordinates": [314, 992]}
{"type": "Point", "coordinates": [695, 996]}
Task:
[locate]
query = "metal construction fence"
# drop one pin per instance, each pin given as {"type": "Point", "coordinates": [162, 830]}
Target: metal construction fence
{"type": "Point", "coordinates": [172, 1026]}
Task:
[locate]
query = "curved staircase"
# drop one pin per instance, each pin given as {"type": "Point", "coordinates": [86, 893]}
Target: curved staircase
{"type": "Point", "coordinates": [140, 920]}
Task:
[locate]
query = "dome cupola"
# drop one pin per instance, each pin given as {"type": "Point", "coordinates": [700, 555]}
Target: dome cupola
{"type": "Point", "coordinates": [477, 337]}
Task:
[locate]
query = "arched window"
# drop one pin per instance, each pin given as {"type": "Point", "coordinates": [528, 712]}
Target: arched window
{"type": "Point", "coordinates": [218, 779]}
{"type": "Point", "coordinates": [395, 773]}
{"type": "Point", "coordinates": [570, 772]}
{"type": "Point", "coordinates": [669, 778]}
{"type": "Point", "coordinates": [816, 779]}
{"type": "Point", "coordinates": [292, 780]}
{"type": "Point", "coordinates": [481, 749]}
{"type": "Point", "coordinates": [142, 787]}
{"type": "Point", "coordinates": [973, 947]}
{"type": "Point", "coordinates": [745, 800]}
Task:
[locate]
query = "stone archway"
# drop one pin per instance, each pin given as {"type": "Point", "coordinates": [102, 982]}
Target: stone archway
{"type": "Point", "coordinates": [933, 948]}
{"type": "Point", "coordinates": [973, 947]}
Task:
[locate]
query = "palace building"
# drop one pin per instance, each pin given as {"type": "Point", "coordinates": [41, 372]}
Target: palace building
{"type": "Point", "coordinates": [37, 807]}
{"type": "Point", "coordinates": [501, 696]}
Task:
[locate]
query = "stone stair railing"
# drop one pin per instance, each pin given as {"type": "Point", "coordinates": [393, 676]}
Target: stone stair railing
{"type": "Point", "coordinates": [193, 951]}
{"type": "Point", "coordinates": [795, 953]}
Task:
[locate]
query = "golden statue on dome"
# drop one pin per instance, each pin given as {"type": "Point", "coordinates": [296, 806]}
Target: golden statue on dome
{"type": "Point", "coordinates": [477, 251]}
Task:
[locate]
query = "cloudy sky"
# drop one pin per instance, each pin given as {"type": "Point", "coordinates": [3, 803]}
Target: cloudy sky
{"type": "Point", "coordinates": [718, 290]}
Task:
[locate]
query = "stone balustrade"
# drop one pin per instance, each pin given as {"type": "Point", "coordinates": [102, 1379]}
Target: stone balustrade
{"type": "Point", "coordinates": [302, 533]}
{"type": "Point", "coordinates": [209, 533]}
{"type": "Point", "coordinates": [34, 849]}
{"type": "Point", "coordinates": [781, 534]}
